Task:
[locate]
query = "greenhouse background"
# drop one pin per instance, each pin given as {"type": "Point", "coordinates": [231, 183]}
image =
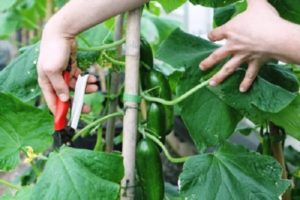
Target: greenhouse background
{"type": "Point", "coordinates": [130, 108]}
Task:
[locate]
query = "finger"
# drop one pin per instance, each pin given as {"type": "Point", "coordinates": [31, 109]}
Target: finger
{"type": "Point", "coordinates": [250, 76]}
{"type": "Point", "coordinates": [91, 88]}
{"type": "Point", "coordinates": [226, 70]}
{"type": "Point", "coordinates": [77, 72]}
{"type": "Point", "coordinates": [73, 57]}
{"type": "Point", "coordinates": [48, 93]}
{"type": "Point", "coordinates": [59, 85]}
{"type": "Point", "coordinates": [91, 80]}
{"type": "Point", "coordinates": [86, 108]}
{"type": "Point", "coordinates": [214, 58]}
{"type": "Point", "coordinates": [218, 34]}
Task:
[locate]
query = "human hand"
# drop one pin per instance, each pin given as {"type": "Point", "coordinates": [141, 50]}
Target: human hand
{"type": "Point", "coordinates": [55, 51]}
{"type": "Point", "coordinates": [249, 38]}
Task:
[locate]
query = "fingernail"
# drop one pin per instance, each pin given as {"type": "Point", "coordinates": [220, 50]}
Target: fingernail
{"type": "Point", "coordinates": [63, 97]}
{"type": "Point", "coordinates": [201, 67]}
{"type": "Point", "coordinates": [212, 83]}
{"type": "Point", "coordinates": [242, 89]}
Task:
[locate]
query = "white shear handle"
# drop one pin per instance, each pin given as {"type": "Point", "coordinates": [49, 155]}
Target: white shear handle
{"type": "Point", "coordinates": [78, 100]}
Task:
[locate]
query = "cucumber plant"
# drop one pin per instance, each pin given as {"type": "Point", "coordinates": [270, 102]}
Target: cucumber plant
{"type": "Point", "coordinates": [171, 84]}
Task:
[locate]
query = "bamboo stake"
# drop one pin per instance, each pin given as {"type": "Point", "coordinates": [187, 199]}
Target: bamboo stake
{"type": "Point", "coordinates": [278, 154]}
{"type": "Point", "coordinates": [114, 88]}
{"type": "Point", "coordinates": [130, 119]}
{"type": "Point", "coordinates": [49, 9]}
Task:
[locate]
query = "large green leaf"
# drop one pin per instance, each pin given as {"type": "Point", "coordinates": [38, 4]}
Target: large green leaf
{"type": "Point", "coordinates": [213, 3]}
{"type": "Point", "coordinates": [288, 9]}
{"type": "Point", "coordinates": [209, 120]}
{"type": "Point", "coordinates": [23, 194]}
{"type": "Point", "coordinates": [31, 12]}
{"type": "Point", "coordinates": [6, 4]}
{"type": "Point", "coordinates": [21, 125]}
{"type": "Point", "coordinates": [288, 118]}
{"type": "Point", "coordinates": [184, 50]}
{"type": "Point", "coordinates": [20, 77]}
{"type": "Point", "coordinates": [263, 95]}
{"type": "Point", "coordinates": [157, 28]}
{"type": "Point", "coordinates": [74, 174]}
{"type": "Point", "coordinates": [95, 36]}
{"type": "Point", "coordinates": [9, 23]}
{"type": "Point", "coordinates": [223, 14]}
{"type": "Point", "coordinates": [203, 112]}
{"type": "Point", "coordinates": [232, 173]}
{"type": "Point", "coordinates": [280, 75]}
{"type": "Point", "coordinates": [170, 5]}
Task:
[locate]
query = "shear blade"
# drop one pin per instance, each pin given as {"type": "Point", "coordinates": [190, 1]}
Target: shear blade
{"type": "Point", "coordinates": [78, 100]}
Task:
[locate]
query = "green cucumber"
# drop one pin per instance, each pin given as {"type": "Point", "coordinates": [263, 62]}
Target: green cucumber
{"type": "Point", "coordinates": [149, 168]}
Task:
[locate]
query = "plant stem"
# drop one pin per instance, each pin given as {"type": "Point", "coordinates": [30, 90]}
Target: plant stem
{"type": "Point", "coordinates": [103, 47]}
{"type": "Point", "coordinates": [178, 99]}
{"type": "Point", "coordinates": [99, 142]}
{"type": "Point", "coordinates": [10, 185]}
{"type": "Point", "coordinates": [130, 120]}
{"type": "Point", "coordinates": [95, 123]}
{"type": "Point", "coordinates": [277, 149]}
{"type": "Point", "coordinates": [114, 88]}
{"type": "Point", "coordinates": [35, 169]}
{"type": "Point", "coordinates": [112, 60]}
{"type": "Point", "coordinates": [166, 152]}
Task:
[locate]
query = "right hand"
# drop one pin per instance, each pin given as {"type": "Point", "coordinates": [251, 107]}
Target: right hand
{"type": "Point", "coordinates": [250, 38]}
{"type": "Point", "coordinates": [55, 51]}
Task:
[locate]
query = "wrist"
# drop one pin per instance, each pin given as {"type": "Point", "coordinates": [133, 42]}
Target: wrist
{"type": "Point", "coordinates": [56, 28]}
{"type": "Point", "coordinates": [286, 43]}
{"type": "Point", "coordinates": [255, 2]}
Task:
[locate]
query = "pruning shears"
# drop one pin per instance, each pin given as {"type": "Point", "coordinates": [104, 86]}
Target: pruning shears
{"type": "Point", "coordinates": [64, 129]}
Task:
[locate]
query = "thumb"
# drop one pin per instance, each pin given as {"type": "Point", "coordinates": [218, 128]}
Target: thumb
{"type": "Point", "coordinates": [60, 86]}
{"type": "Point", "coordinates": [218, 34]}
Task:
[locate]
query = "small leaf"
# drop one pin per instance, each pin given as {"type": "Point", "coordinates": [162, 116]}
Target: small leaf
{"type": "Point", "coordinates": [288, 9]}
{"type": "Point", "coordinates": [21, 125]}
{"type": "Point", "coordinates": [170, 5]}
{"type": "Point", "coordinates": [19, 78]}
{"type": "Point", "coordinates": [74, 174]}
{"type": "Point", "coordinates": [232, 173]}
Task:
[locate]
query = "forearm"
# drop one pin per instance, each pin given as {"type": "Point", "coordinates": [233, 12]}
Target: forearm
{"type": "Point", "coordinates": [287, 46]}
{"type": "Point", "coordinates": [283, 42]}
{"type": "Point", "coordinates": [78, 15]}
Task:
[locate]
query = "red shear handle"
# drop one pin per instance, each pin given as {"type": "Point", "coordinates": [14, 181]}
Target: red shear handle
{"type": "Point", "coordinates": [60, 118]}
